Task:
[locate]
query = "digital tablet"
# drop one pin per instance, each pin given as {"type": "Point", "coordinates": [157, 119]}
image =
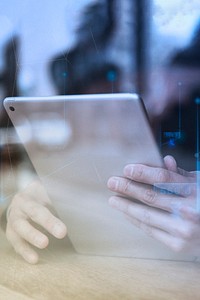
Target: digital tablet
{"type": "Point", "coordinates": [75, 144]}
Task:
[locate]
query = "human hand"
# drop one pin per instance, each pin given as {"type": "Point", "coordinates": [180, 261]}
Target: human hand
{"type": "Point", "coordinates": [170, 218]}
{"type": "Point", "coordinates": [29, 208]}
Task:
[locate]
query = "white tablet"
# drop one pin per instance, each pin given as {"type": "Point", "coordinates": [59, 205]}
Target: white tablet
{"type": "Point", "coordinates": [75, 144]}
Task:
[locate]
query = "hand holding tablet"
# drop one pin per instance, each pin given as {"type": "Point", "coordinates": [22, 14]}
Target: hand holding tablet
{"type": "Point", "coordinates": [170, 218]}
{"type": "Point", "coordinates": [100, 135]}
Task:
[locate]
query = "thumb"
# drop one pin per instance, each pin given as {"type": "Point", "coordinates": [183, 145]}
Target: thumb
{"type": "Point", "coordinates": [170, 163]}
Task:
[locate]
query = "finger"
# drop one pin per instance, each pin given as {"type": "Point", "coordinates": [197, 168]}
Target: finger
{"type": "Point", "coordinates": [125, 185]}
{"type": "Point", "coordinates": [22, 247]}
{"type": "Point", "coordinates": [174, 243]}
{"type": "Point", "coordinates": [191, 214]}
{"type": "Point", "coordinates": [170, 163]}
{"type": "Point", "coordinates": [42, 216]}
{"type": "Point", "coordinates": [27, 232]}
{"type": "Point", "coordinates": [144, 193]}
{"type": "Point", "coordinates": [155, 218]}
{"type": "Point", "coordinates": [152, 175]}
{"type": "Point", "coordinates": [35, 191]}
{"type": "Point", "coordinates": [143, 213]}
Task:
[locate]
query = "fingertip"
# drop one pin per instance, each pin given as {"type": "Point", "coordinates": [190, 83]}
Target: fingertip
{"type": "Point", "coordinates": [33, 260]}
{"type": "Point", "coordinates": [31, 257]}
{"type": "Point", "coordinates": [170, 163]}
{"type": "Point", "coordinates": [169, 158]}
{"type": "Point", "coordinates": [109, 182]}
{"type": "Point", "coordinates": [42, 242]}
{"type": "Point", "coordinates": [128, 170]}
{"type": "Point", "coordinates": [63, 232]}
{"type": "Point", "coordinates": [113, 183]}
{"type": "Point", "coordinates": [59, 230]}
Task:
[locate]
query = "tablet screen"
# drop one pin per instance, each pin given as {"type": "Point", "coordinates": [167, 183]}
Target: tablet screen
{"type": "Point", "coordinates": [75, 144]}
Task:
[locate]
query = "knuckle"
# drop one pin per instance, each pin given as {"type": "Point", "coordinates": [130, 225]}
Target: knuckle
{"type": "Point", "coordinates": [17, 225]}
{"type": "Point", "coordinates": [13, 213]}
{"type": "Point", "coordinates": [138, 172]}
{"type": "Point", "coordinates": [163, 176]}
{"type": "Point", "coordinates": [125, 186]}
{"type": "Point", "coordinates": [149, 196]}
{"type": "Point", "coordinates": [33, 212]}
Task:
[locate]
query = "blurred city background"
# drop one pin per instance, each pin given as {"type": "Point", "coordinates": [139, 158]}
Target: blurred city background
{"type": "Point", "coordinates": [150, 47]}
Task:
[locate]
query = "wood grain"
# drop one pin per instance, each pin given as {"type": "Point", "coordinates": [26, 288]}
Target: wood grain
{"type": "Point", "coordinates": [63, 274]}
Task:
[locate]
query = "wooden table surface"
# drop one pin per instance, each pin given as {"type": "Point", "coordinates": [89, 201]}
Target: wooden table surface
{"type": "Point", "coordinates": [63, 274]}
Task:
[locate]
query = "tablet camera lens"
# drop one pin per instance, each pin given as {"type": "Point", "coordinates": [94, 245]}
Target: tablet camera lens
{"type": "Point", "coordinates": [12, 108]}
